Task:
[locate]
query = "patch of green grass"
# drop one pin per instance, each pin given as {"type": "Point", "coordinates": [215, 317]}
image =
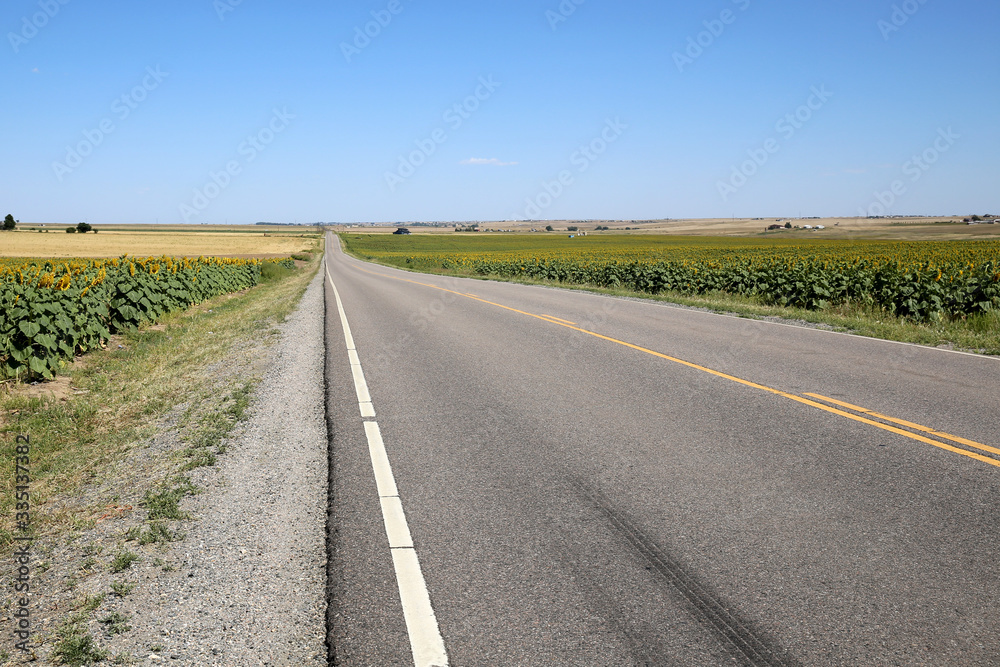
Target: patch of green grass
{"type": "Point", "coordinates": [271, 272]}
{"type": "Point", "coordinates": [89, 563]}
{"type": "Point", "coordinates": [115, 623]}
{"type": "Point", "coordinates": [77, 650]}
{"type": "Point", "coordinates": [984, 323]}
{"type": "Point", "coordinates": [218, 419]}
{"type": "Point", "coordinates": [123, 561]}
{"type": "Point", "coordinates": [198, 458]}
{"type": "Point", "coordinates": [239, 401]}
{"type": "Point", "coordinates": [91, 602]}
{"type": "Point", "coordinates": [165, 503]}
{"type": "Point", "coordinates": [211, 421]}
{"type": "Point", "coordinates": [82, 523]}
{"type": "Point", "coordinates": [121, 588]}
{"type": "Point", "coordinates": [155, 532]}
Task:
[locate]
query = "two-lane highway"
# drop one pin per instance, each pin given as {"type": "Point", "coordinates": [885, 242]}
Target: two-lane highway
{"type": "Point", "coordinates": [531, 476]}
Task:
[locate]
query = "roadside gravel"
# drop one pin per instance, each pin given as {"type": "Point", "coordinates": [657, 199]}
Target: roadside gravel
{"type": "Point", "coordinates": [249, 588]}
{"type": "Point", "coordinates": [246, 585]}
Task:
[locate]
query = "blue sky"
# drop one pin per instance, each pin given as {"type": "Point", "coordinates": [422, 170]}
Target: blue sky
{"type": "Point", "coordinates": [241, 111]}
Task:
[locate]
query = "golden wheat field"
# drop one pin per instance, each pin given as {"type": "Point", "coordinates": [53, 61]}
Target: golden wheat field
{"type": "Point", "coordinates": [56, 243]}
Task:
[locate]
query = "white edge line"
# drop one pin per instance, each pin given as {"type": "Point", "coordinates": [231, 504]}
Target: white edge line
{"type": "Point", "coordinates": [426, 642]}
{"type": "Point", "coordinates": [396, 528]}
{"type": "Point", "coordinates": [348, 338]}
{"type": "Point", "coordinates": [360, 385]}
{"type": "Point", "coordinates": [384, 479]}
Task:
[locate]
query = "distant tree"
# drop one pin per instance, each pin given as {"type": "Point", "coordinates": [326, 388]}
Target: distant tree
{"type": "Point", "coordinates": [572, 229]}
{"type": "Point", "coordinates": [71, 230]}
{"type": "Point", "coordinates": [548, 228]}
{"type": "Point", "coordinates": [788, 225]}
{"type": "Point", "coordinates": [975, 218]}
{"type": "Point", "coordinates": [83, 227]}
{"type": "Point", "coordinates": [9, 223]}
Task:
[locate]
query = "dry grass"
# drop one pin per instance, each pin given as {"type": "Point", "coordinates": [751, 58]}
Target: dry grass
{"type": "Point", "coordinates": [115, 243]}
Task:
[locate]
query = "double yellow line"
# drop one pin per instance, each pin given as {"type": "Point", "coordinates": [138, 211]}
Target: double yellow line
{"type": "Point", "coordinates": [924, 429]}
{"type": "Point", "coordinates": [866, 417]}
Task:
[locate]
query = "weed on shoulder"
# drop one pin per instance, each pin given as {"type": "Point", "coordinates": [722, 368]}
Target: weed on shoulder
{"type": "Point", "coordinates": [115, 623]}
{"type": "Point", "coordinates": [155, 532]}
{"type": "Point", "coordinates": [77, 649]}
{"type": "Point", "coordinates": [121, 588]}
{"type": "Point", "coordinates": [123, 561]}
{"type": "Point", "coordinates": [165, 502]}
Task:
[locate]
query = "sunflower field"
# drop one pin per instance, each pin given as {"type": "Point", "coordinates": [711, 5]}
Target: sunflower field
{"type": "Point", "coordinates": [919, 280]}
{"type": "Point", "coordinates": [53, 310]}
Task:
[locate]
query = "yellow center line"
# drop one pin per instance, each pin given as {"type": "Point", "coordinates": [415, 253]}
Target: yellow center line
{"type": "Point", "coordinates": [903, 422]}
{"type": "Point", "coordinates": [558, 319]}
{"type": "Point", "coordinates": [733, 378]}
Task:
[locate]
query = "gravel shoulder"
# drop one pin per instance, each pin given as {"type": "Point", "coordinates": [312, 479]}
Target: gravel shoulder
{"type": "Point", "coordinates": [248, 584]}
{"type": "Point", "coordinates": [243, 581]}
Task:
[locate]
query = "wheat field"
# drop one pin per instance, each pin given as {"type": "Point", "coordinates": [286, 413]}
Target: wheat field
{"type": "Point", "coordinates": [54, 242]}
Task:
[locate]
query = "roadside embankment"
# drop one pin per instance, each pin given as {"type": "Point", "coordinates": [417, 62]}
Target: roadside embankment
{"type": "Point", "coordinates": [179, 491]}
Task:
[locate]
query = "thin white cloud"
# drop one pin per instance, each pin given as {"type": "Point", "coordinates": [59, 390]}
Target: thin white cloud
{"type": "Point", "coordinates": [490, 161]}
{"type": "Point", "coordinates": [855, 171]}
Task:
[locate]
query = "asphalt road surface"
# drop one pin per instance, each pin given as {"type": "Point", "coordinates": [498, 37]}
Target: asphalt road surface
{"type": "Point", "coordinates": [532, 476]}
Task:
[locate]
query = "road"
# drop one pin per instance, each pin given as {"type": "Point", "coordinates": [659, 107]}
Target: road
{"type": "Point", "coordinates": [574, 479]}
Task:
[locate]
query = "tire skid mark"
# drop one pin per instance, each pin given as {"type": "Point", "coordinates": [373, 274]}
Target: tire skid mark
{"type": "Point", "coordinates": [751, 646]}
{"type": "Point", "coordinates": [641, 638]}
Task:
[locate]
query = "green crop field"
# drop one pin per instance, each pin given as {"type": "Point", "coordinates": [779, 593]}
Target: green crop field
{"type": "Point", "coordinates": [918, 280]}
